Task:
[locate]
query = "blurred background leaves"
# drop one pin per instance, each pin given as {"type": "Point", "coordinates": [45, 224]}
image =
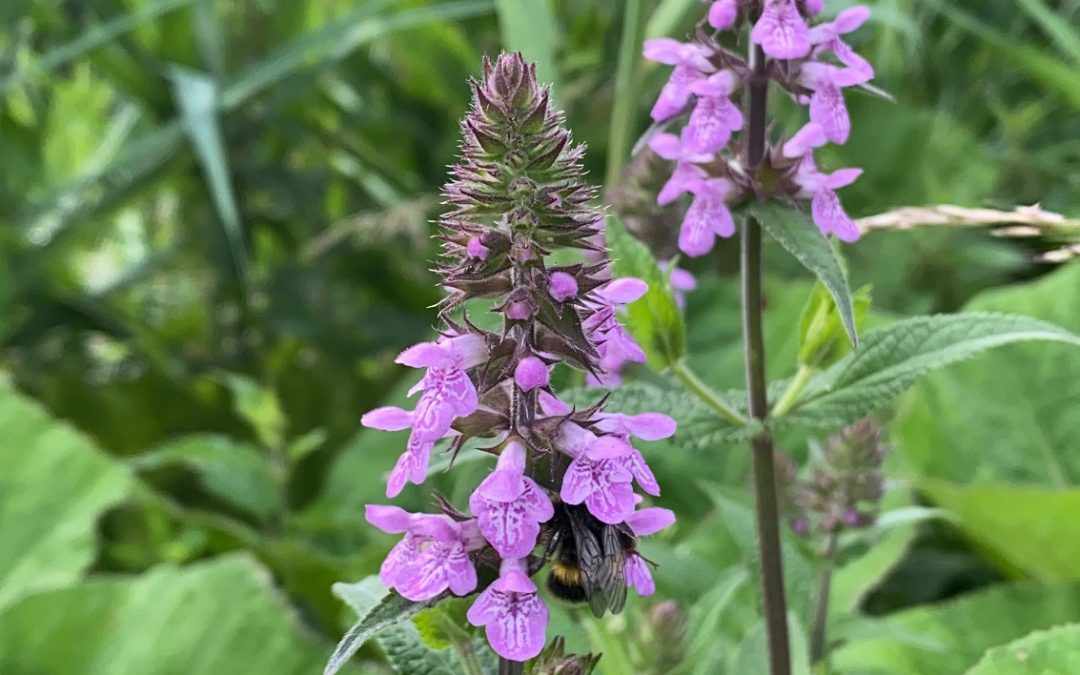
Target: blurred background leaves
{"type": "Point", "coordinates": [214, 236]}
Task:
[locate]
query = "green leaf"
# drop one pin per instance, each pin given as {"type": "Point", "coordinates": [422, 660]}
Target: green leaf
{"type": "Point", "coordinates": [54, 486]}
{"type": "Point", "coordinates": [891, 359]}
{"type": "Point", "coordinates": [1048, 652]}
{"type": "Point", "coordinates": [1012, 415]}
{"type": "Point", "coordinates": [821, 333]}
{"type": "Point", "coordinates": [957, 632]}
{"type": "Point", "coordinates": [215, 617]}
{"type": "Point", "coordinates": [260, 408]}
{"type": "Point", "coordinates": [752, 657]}
{"type": "Point", "coordinates": [196, 95]}
{"type": "Point", "coordinates": [233, 471]}
{"type": "Point", "coordinates": [1037, 535]}
{"type": "Point", "coordinates": [654, 320]}
{"type": "Point", "coordinates": [797, 233]}
{"type": "Point", "coordinates": [385, 616]}
{"type": "Point", "coordinates": [529, 27]}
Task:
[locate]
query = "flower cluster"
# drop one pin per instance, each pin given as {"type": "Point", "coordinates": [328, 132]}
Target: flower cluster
{"type": "Point", "coordinates": [845, 485]}
{"type": "Point", "coordinates": [812, 63]}
{"type": "Point", "coordinates": [516, 197]}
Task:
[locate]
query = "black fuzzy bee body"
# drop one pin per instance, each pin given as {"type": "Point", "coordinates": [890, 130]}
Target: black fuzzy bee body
{"type": "Point", "coordinates": [588, 559]}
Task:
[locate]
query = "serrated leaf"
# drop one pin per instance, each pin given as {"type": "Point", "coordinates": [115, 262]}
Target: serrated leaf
{"type": "Point", "coordinates": [797, 233]}
{"type": "Point", "coordinates": [54, 485]}
{"type": "Point", "coordinates": [654, 320]}
{"type": "Point", "coordinates": [891, 359]}
{"type": "Point", "coordinates": [385, 616]}
{"type": "Point", "coordinates": [958, 632]}
{"type": "Point", "coordinates": [1047, 652]}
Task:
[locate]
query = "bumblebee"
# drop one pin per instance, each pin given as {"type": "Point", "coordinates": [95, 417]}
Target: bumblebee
{"type": "Point", "coordinates": [588, 559]}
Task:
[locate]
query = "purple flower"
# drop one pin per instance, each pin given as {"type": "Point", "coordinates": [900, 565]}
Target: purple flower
{"type": "Point", "coordinates": [514, 615]}
{"type": "Point", "coordinates": [707, 217]}
{"type": "Point", "coordinates": [643, 523]}
{"type": "Point", "coordinates": [448, 394]}
{"type": "Point", "coordinates": [509, 506]}
{"type": "Point", "coordinates": [826, 37]}
{"type": "Point", "coordinates": [686, 173]}
{"type": "Point", "coordinates": [827, 103]}
{"type": "Point", "coordinates": [531, 373]}
{"type": "Point", "coordinates": [714, 117]}
{"type": "Point", "coordinates": [825, 206]}
{"type": "Point", "coordinates": [781, 30]}
{"type": "Point", "coordinates": [613, 343]}
{"type": "Point", "coordinates": [598, 476]}
{"type": "Point", "coordinates": [646, 426]}
{"type": "Point", "coordinates": [682, 282]}
{"type": "Point", "coordinates": [691, 63]}
{"type": "Point", "coordinates": [432, 556]}
{"type": "Point", "coordinates": [722, 14]}
{"type": "Point", "coordinates": [562, 286]}
{"type": "Point", "coordinates": [811, 136]}
{"type": "Point", "coordinates": [476, 249]}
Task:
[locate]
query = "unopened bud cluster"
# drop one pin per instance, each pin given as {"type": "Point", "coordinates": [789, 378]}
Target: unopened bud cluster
{"type": "Point", "coordinates": [809, 62]}
{"type": "Point", "coordinates": [516, 197]}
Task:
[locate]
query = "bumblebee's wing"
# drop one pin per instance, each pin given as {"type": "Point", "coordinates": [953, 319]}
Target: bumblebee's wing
{"type": "Point", "coordinates": [615, 583]}
{"type": "Point", "coordinates": [590, 555]}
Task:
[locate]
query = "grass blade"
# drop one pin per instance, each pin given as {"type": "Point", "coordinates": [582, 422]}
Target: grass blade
{"type": "Point", "coordinates": [529, 27]}
{"type": "Point", "coordinates": [626, 90]}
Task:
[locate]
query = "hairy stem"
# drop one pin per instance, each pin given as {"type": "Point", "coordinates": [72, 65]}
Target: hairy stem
{"type": "Point", "coordinates": [508, 667]}
{"type": "Point", "coordinates": [821, 602]}
{"type": "Point", "coordinates": [704, 392]}
{"type": "Point", "coordinates": [791, 394]}
{"type": "Point", "coordinates": [767, 507]}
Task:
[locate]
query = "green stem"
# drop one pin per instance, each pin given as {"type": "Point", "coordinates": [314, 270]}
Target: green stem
{"type": "Point", "coordinates": [706, 394]}
{"type": "Point", "coordinates": [622, 110]}
{"type": "Point", "coordinates": [821, 602]}
{"type": "Point", "coordinates": [767, 507]}
{"type": "Point", "coordinates": [791, 394]}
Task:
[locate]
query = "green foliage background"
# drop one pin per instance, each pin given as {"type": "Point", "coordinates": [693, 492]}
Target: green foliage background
{"type": "Point", "coordinates": [214, 237]}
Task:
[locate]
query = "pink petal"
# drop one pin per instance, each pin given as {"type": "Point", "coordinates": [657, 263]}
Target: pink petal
{"type": "Point", "coordinates": [643, 474]}
{"type": "Point", "coordinates": [812, 135]}
{"type": "Point", "coordinates": [721, 84]}
{"type": "Point", "coordinates": [613, 504]}
{"type": "Point", "coordinates": [696, 235]}
{"type": "Point", "coordinates": [551, 406]}
{"type": "Point", "coordinates": [662, 50]}
{"type": "Point", "coordinates": [830, 217]}
{"type": "Point", "coordinates": [577, 482]}
{"type": "Point", "coordinates": [460, 572]}
{"type": "Point", "coordinates": [468, 350]}
{"type": "Point", "coordinates": [650, 521]}
{"type": "Point", "coordinates": [638, 575]}
{"type": "Point", "coordinates": [842, 178]}
{"type": "Point", "coordinates": [388, 418]}
{"type": "Point", "coordinates": [624, 290]}
{"type": "Point", "coordinates": [850, 19]}
{"type": "Point", "coordinates": [562, 286]}
{"type": "Point", "coordinates": [507, 528]}
{"type": "Point", "coordinates": [518, 632]}
{"type": "Point", "coordinates": [608, 447]}
{"type": "Point", "coordinates": [827, 109]}
{"type": "Point", "coordinates": [667, 146]}
{"type": "Point", "coordinates": [476, 249]}
{"type": "Point", "coordinates": [781, 31]}
{"type": "Point", "coordinates": [391, 519]}
{"type": "Point", "coordinates": [512, 458]}
{"type": "Point", "coordinates": [650, 426]}
{"type": "Point", "coordinates": [424, 355]}
{"type": "Point", "coordinates": [722, 14]}
{"type": "Point", "coordinates": [531, 373]}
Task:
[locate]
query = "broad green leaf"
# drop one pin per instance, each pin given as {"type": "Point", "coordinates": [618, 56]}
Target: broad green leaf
{"type": "Point", "coordinates": [1011, 416]}
{"type": "Point", "coordinates": [960, 630]}
{"type": "Point", "coordinates": [1037, 534]}
{"type": "Point", "coordinates": [529, 27]}
{"type": "Point", "coordinates": [210, 618]}
{"type": "Point", "coordinates": [385, 616]}
{"type": "Point", "coordinates": [233, 471]}
{"type": "Point", "coordinates": [797, 233]}
{"type": "Point", "coordinates": [891, 359]}
{"type": "Point", "coordinates": [855, 579]}
{"type": "Point", "coordinates": [196, 96]}
{"type": "Point", "coordinates": [1047, 652]}
{"type": "Point", "coordinates": [654, 320]}
{"type": "Point", "coordinates": [54, 486]}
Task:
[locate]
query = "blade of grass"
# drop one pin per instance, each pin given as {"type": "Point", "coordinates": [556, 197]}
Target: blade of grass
{"type": "Point", "coordinates": [626, 90]}
{"type": "Point", "coordinates": [93, 37]}
{"type": "Point", "coordinates": [1066, 37]}
{"type": "Point", "coordinates": [668, 16]}
{"type": "Point", "coordinates": [196, 96]}
{"type": "Point", "coordinates": [529, 27]}
{"type": "Point", "coordinates": [1053, 74]}
{"type": "Point", "coordinates": [110, 184]}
